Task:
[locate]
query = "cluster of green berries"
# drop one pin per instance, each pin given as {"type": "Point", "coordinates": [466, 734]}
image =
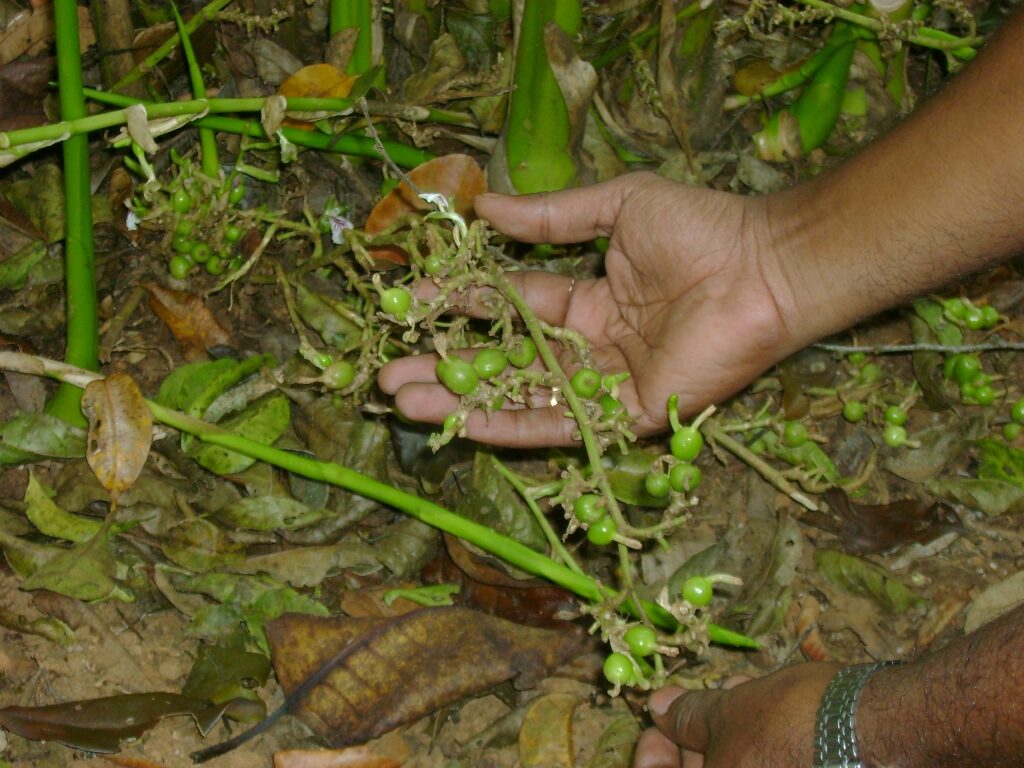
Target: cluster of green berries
{"type": "Point", "coordinates": [619, 669]}
{"type": "Point", "coordinates": [964, 313]}
{"type": "Point", "coordinates": [975, 385]}
{"type": "Point", "coordinates": [1012, 429]}
{"type": "Point", "coordinates": [190, 250]}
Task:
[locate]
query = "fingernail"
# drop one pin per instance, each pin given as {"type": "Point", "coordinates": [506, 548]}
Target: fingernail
{"type": "Point", "coordinates": [662, 699]}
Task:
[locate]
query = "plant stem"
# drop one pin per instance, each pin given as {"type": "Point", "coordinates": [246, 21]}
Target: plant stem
{"type": "Point", "coordinates": [355, 14]}
{"type": "Point", "coordinates": [961, 47]}
{"type": "Point", "coordinates": [352, 145]}
{"type": "Point", "coordinates": [82, 326]}
{"type": "Point", "coordinates": [554, 541]}
{"type": "Point", "coordinates": [205, 14]}
{"type": "Point", "coordinates": [423, 510]}
{"type": "Point", "coordinates": [207, 138]}
{"type": "Point", "coordinates": [639, 39]}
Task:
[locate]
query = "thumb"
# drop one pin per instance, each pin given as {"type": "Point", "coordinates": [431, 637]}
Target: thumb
{"type": "Point", "coordinates": [569, 216]}
{"type": "Point", "coordinates": [685, 716]}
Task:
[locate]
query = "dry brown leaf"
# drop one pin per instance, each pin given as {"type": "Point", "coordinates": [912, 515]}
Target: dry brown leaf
{"type": "Point", "coordinates": [31, 31]}
{"type": "Point", "coordinates": [387, 672]}
{"type": "Point", "coordinates": [545, 737]}
{"type": "Point", "coordinates": [457, 177]}
{"type": "Point", "coordinates": [352, 757]}
{"type": "Point", "coordinates": [120, 431]}
{"type": "Point", "coordinates": [369, 601]}
{"type": "Point", "coordinates": [316, 81]}
{"type": "Point", "coordinates": [484, 587]}
{"type": "Point", "coordinates": [130, 762]}
{"type": "Point", "coordinates": [194, 327]}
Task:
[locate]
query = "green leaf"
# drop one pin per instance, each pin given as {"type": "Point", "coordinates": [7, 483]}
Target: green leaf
{"type": "Point", "coordinates": [25, 557]}
{"type": "Point", "coordinates": [86, 571]}
{"type": "Point", "coordinates": [224, 673]}
{"type": "Point", "coordinates": [322, 314]}
{"type": "Point", "coordinates": [406, 547]}
{"type": "Point", "coordinates": [993, 497]}
{"type": "Point", "coordinates": [492, 501]}
{"type": "Point", "coordinates": [865, 579]}
{"type": "Point", "coordinates": [182, 384]}
{"type": "Point", "coordinates": [263, 422]}
{"type": "Point", "coordinates": [627, 473]}
{"type": "Point", "coordinates": [309, 566]}
{"type": "Point", "coordinates": [30, 437]}
{"type": "Point", "coordinates": [54, 521]}
{"type": "Point", "coordinates": [947, 333]}
{"type": "Point", "coordinates": [14, 270]}
{"type": "Point", "coordinates": [270, 513]}
{"type": "Point", "coordinates": [475, 34]}
{"type": "Point", "coordinates": [808, 456]}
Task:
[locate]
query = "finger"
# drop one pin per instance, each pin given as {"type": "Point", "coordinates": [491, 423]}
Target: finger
{"type": "Point", "coordinates": [522, 428]}
{"type": "Point", "coordinates": [653, 750]}
{"type": "Point", "coordinates": [684, 716]}
{"type": "Point", "coordinates": [569, 216]}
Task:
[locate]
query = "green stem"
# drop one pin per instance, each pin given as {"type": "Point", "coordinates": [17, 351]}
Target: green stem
{"type": "Point", "coordinates": [423, 510]}
{"type": "Point", "coordinates": [961, 47]}
{"type": "Point", "coordinates": [554, 540]}
{"type": "Point", "coordinates": [639, 39]}
{"type": "Point", "coordinates": [207, 138]}
{"type": "Point", "coordinates": [403, 154]}
{"type": "Point", "coordinates": [79, 258]}
{"type": "Point", "coordinates": [355, 14]}
{"type": "Point", "coordinates": [146, 66]}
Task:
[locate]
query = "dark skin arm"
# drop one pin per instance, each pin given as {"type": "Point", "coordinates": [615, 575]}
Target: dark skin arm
{"type": "Point", "coordinates": [961, 707]}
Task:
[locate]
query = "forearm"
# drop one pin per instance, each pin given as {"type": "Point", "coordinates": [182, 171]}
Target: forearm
{"type": "Point", "coordinates": [962, 706]}
{"type": "Point", "coordinates": [940, 196]}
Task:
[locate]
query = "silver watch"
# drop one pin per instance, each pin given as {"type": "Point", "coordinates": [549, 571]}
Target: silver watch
{"type": "Point", "coordinates": [835, 732]}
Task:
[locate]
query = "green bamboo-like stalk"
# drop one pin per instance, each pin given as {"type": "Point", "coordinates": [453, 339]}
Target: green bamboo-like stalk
{"type": "Point", "coordinates": [641, 38]}
{"type": "Point", "coordinates": [964, 48]}
{"type": "Point", "coordinates": [537, 132]}
{"type": "Point", "coordinates": [360, 146]}
{"type": "Point", "coordinates": [797, 76]}
{"type": "Point", "coordinates": [82, 325]}
{"type": "Point", "coordinates": [146, 66]}
{"type": "Point", "coordinates": [355, 14]}
{"type": "Point", "coordinates": [426, 511]}
{"type": "Point", "coordinates": [815, 112]}
{"type": "Point", "coordinates": [207, 138]}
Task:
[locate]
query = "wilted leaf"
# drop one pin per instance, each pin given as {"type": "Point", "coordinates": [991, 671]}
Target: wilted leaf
{"type": "Point", "coordinates": [199, 545]}
{"type": "Point", "coordinates": [457, 177]}
{"type": "Point", "coordinates": [928, 367]}
{"type": "Point", "coordinates": [995, 601]}
{"type": "Point", "coordinates": [30, 437]}
{"type": "Point", "coordinates": [54, 521]}
{"type": "Point", "coordinates": [87, 571]}
{"type": "Point", "coordinates": [545, 738]}
{"type": "Point", "coordinates": [486, 588]}
{"type": "Point", "coordinates": [193, 325]}
{"type": "Point", "coordinates": [24, 556]}
{"type": "Point", "coordinates": [476, 34]}
{"type": "Point", "coordinates": [386, 672]}
{"type": "Point", "coordinates": [120, 431]}
{"type": "Point", "coordinates": [270, 513]}
{"type": "Point", "coordinates": [352, 757]}
{"type": "Point", "coordinates": [327, 317]}
{"type": "Point", "coordinates": [807, 368]}
{"type": "Point", "coordinates": [615, 746]}
{"type": "Point", "coordinates": [627, 473]}
{"type": "Point", "coordinates": [866, 529]}
{"type": "Point", "coordinates": [224, 673]}
{"type": "Point", "coordinates": [308, 566]}
{"type": "Point", "coordinates": [15, 269]}
{"type": "Point", "coordinates": [263, 422]}
{"type": "Point", "coordinates": [99, 725]}
{"type": "Point", "coordinates": [444, 63]}
{"type": "Point", "coordinates": [49, 627]}
{"type": "Point", "coordinates": [993, 497]}
{"type": "Point", "coordinates": [249, 600]}
{"type": "Point", "coordinates": [491, 500]}
{"type": "Point", "coordinates": [940, 445]}
{"type": "Point", "coordinates": [316, 81]}
{"type": "Point", "coordinates": [406, 546]}
{"type": "Point", "coordinates": [41, 199]}
{"type": "Point", "coordinates": [865, 579]}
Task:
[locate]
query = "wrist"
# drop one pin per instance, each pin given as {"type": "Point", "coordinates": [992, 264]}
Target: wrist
{"type": "Point", "coordinates": [890, 724]}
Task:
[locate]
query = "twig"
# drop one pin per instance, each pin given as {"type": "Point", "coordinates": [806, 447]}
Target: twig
{"type": "Point", "coordinates": [904, 349]}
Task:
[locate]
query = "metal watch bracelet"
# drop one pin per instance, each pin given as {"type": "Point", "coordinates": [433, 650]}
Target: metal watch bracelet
{"type": "Point", "coordinates": [835, 732]}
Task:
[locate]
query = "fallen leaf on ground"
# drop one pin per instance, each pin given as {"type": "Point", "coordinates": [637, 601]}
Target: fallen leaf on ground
{"type": "Point", "coordinates": [120, 431]}
{"type": "Point", "coordinates": [189, 319]}
{"type": "Point", "coordinates": [865, 579]}
{"type": "Point", "coordinates": [387, 672]}
{"type": "Point", "coordinates": [866, 529]}
{"type": "Point", "coordinates": [545, 737]}
{"type": "Point", "coordinates": [457, 177]}
{"type": "Point", "coordinates": [484, 587]}
{"type": "Point", "coordinates": [99, 725]}
{"type": "Point", "coordinates": [353, 757]}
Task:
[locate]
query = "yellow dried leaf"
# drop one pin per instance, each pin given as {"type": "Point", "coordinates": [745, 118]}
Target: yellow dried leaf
{"type": "Point", "coordinates": [120, 431]}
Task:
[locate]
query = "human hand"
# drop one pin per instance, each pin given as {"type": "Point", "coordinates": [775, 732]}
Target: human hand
{"type": "Point", "coordinates": [690, 302]}
{"type": "Point", "coordinates": [763, 723]}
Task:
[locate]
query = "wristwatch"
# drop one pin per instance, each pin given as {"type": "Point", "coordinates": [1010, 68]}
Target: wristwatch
{"type": "Point", "coordinates": [835, 732]}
